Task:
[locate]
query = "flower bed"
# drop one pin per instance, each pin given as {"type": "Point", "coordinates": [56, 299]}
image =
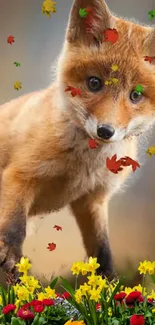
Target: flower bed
{"type": "Point", "coordinates": [96, 302]}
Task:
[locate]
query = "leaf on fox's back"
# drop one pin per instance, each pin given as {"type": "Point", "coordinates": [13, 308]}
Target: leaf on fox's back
{"type": "Point", "coordinates": [151, 151]}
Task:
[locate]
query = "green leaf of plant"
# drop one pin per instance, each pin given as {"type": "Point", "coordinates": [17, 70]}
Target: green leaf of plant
{"type": "Point", "coordinates": [53, 283]}
{"type": "Point", "coordinates": [67, 286]}
{"type": "Point", "coordinates": [115, 322]}
{"type": "Point", "coordinates": [121, 281]}
{"type": "Point", "coordinates": [16, 321]}
{"type": "Point", "coordinates": [3, 293]}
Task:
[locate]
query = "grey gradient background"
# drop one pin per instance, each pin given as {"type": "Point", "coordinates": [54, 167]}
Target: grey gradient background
{"type": "Point", "coordinates": [38, 41]}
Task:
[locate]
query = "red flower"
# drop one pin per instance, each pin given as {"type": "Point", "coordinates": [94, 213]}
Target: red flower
{"type": "Point", "coordinates": [25, 314]}
{"type": "Point", "coordinates": [98, 306]}
{"type": "Point", "coordinates": [58, 295]}
{"type": "Point", "coordinates": [66, 295]}
{"type": "Point", "coordinates": [133, 296]}
{"type": "Point", "coordinates": [38, 308]}
{"type": "Point", "coordinates": [8, 308]}
{"type": "Point", "coordinates": [120, 296]}
{"type": "Point", "coordinates": [140, 299]}
{"type": "Point", "coordinates": [36, 302]}
{"type": "Point", "coordinates": [48, 302]}
{"type": "Point", "coordinates": [137, 320]}
{"type": "Point", "coordinates": [27, 305]}
{"type": "Point", "coordinates": [150, 300]}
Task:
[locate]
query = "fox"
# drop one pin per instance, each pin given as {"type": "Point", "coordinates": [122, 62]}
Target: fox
{"type": "Point", "coordinates": [46, 161]}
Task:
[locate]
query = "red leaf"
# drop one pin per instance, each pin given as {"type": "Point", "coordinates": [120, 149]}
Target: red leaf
{"type": "Point", "coordinates": [10, 39]}
{"type": "Point", "coordinates": [149, 58]}
{"type": "Point", "coordinates": [92, 143]}
{"type": "Point", "coordinates": [58, 227]}
{"type": "Point", "coordinates": [74, 91]}
{"type": "Point", "coordinates": [51, 247]}
{"type": "Point", "coordinates": [111, 35]}
{"type": "Point", "coordinates": [127, 161]}
{"type": "Point", "coordinates": [113, 165]}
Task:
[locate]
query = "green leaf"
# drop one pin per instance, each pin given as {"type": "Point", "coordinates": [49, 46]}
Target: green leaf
{"type": "Point", "coordinates": [53, 283]}
{"type": "Point", "coordinates": [83, 13]}
{"type": "Point", "coordinates": [139, 88]}
{"type": "Point", "coordinates": [3, 293]}
{"type": "Point", "coordinates": [12, 296]}
{"type": "Point", "coordinates": [152, 277]}
{"type": "Point", "coordinates": [39, 320]}
{"type": "Point", "coordinates": [67, 286]}
{"type": "Point", "coordinates": [121, 281]}
{"type": "Point", "coordinates": [115, 322]}
{"type": "Point", "coordinates": [16, 321]}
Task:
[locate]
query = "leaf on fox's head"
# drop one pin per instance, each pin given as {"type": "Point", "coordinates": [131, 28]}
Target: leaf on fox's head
{"type": "Point", "coordinates": [88, 15]}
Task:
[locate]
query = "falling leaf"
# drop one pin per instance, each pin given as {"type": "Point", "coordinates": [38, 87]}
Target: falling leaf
{"type": "Point", "coordinates": [92, 144]}
{"type": "Point", "coordinates": [116, 166]}
{"type": "Point", "coordinates": [111, 81]}
{"type": "Point", "coordinates": [48, 7]}
{"type": "Point", "coordinates": [51, 247]}
{"type": "Point", "coordinates": [114, 67]}
{"type": "Point", "coordinates": [107, 82]}
{"type": "Point", "coordinates": [151, 14]}
{"type": "Point", "coordinates": [17, 85]}
{"type": "Point", "coordinates": [83, 12]}
{"type": "Point", "coordinates": [114, 80]}
{"type": "Point", "coordinates": [113, 165]}
{"type": "Point", "coordinates": [111, 35]}
{"type": "Point", "coordinates": [139, 89]}
{"type": "Point", "coordinates": [10, 39]}
{"type": "Point", "coordinates": [17, 64]}
{"type": "Point", "coordinates": [58, 227]}
{"type": "Point", "coordinates": [127, 161]}
{"type": "Point", "coordinates": [74, 91]}
{"type": "Point", "coordinates": [149, 58]}
{"type": "Point", "coordinates": [151, 151]}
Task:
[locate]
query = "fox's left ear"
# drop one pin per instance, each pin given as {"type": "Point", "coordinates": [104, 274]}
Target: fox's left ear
{"type": "Point", "coordinates": [97, 14]}
{"type": "Point", "coordinates": [149, 43]}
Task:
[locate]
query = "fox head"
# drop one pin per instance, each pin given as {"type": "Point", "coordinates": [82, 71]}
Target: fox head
{"type": "Point", "coordinates": [108, 111]}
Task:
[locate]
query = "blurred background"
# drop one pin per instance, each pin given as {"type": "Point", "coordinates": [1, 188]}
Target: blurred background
{"type": "Point", "coordinates": [38, 41]}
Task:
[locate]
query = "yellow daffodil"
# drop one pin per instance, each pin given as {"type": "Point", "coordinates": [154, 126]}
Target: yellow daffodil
{"type": "Point", "coordinates": [41, 296]}
{"type": "Point", "coordinates": [85, 288]}
{"type": "Point", "coordinates": [30, 281]}
{"type": "Point", "coordinates": [94, 294]}
{"type": "Point", "coordinates": [78, 296]}
{"type": "Point", "coordinates": [153, 310]}
{"type": "Point", "coordinates": [92, 264]}
{"type": "Point", "coordinates": [151, 295]}
{"type": "Point", "coordinates": [78, 267]}
{"type": "Point", "coordinates": [0, 300]}
{"type": "Point", "coordinates": [50, 293]}
{"type": "Point", "coordinates": [24, 265]}
{"type": "Point", "coordinates": [146, 267]}
{"type": "Point", "coordinates": [22, 293]}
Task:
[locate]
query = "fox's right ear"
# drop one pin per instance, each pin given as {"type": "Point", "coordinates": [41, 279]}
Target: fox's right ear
{"type": "Point", "coordinates": [97, 13]}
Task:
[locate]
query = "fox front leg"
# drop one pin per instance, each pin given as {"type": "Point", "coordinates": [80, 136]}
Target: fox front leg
{"type": "Point", "coordinates": [90, 212]}
{"type": "Point", "coordinates": [16, 195]}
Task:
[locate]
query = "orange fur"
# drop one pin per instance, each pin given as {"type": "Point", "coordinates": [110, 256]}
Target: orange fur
{"type": "Point", "coordinates": [45, 159]}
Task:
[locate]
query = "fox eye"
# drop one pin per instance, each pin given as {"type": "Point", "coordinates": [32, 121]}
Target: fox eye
{"type": "Point", "coordinates": [94, 84]}
{"type": "Point", "coordinates": [135, 96]}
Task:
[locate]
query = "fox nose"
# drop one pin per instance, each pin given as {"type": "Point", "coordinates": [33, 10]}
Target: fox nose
{"type": "Point", "coordinates": [105, 131]}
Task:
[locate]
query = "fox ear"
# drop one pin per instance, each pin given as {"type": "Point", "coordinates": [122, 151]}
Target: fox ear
{"type": "Point", "coordinates": [149, 43]}
{"type": "Point", "coordinates": [88, 20]}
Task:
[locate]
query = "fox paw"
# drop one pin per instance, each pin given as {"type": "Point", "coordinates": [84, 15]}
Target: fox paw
{"type": "Point", "coordinates": [9, 256]}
